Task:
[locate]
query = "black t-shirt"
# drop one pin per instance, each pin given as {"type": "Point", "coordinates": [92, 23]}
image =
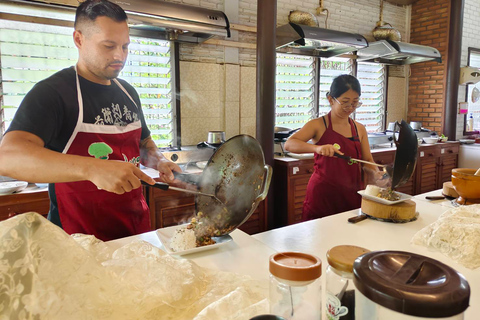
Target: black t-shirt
{"type": "Point", "coordinates": [50, 111]}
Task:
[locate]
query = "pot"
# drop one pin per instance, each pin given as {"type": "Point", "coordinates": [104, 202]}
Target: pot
{"type": "Point", "coordinates": [398, 285]}
{"type": "Point", "coordinates": [416, 125]}
{"type": "Point", "coordinates": [216, 137]}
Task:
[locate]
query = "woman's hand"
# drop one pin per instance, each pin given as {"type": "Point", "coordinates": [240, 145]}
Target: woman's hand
{"type": "Point", "coordinates": [327, 150]}
{"type": "Point", "coordinates": [166, 168]}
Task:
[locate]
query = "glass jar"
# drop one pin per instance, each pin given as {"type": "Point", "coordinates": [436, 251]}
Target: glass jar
{"type": "Point", "coordinates": [295, 288]}
{"type": "Point", "coordinates": [340, 295]}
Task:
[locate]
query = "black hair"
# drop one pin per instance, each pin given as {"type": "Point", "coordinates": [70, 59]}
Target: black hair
{"type": "Point", "coordinates": [92, 9]}
{"type": "Point", "coordinates": [342, 84]}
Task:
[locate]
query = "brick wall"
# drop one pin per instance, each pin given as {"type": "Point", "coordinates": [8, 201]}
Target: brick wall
{"type": "Point", "coordinates": [426, 95]}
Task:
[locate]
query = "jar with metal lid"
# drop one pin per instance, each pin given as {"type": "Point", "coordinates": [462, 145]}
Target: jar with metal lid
{"type": "Point", "coordinates": [295, 288]}
{"type": "Point", "coordinates": [340, 289]}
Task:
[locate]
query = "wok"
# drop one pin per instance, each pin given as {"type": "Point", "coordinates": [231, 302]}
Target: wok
{"type": "Point", "coordinates": [238, 176]}
{"type": "Point", "coordinates": [405, 155]}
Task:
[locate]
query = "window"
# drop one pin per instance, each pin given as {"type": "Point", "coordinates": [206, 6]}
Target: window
{"type": "Point", "coordinates": [295, 90]}
{"type": "Point", "coordinates": [372, 80]}
{"type": "Point", "coordinates": [329, 69]}
{"type": "Point", "coordinates": [296, 94]}
{"type": "Point", "coordinates": [32, 52]}
{"type": "Point", "coordinates": [473, 93]}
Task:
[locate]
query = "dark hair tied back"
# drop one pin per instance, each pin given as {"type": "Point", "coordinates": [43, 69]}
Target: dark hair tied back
{"type": "Point", "coordinates": [92, 9]}
{"type": "Point", "coordinates": [342, 84]}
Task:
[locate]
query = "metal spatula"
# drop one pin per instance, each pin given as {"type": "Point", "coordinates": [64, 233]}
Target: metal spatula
{"type": "Point", "coordinates": [386, 168]}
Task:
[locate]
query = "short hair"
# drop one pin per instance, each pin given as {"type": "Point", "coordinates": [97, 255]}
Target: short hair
{"type": "Point", "coordinates": [342, 84]}
{"type": "Point", "coordinates": [90, 10]}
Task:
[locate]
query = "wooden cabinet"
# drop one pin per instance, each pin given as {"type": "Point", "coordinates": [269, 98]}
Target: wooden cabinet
{"type": "Point", "coordinates": [434, 166]}
{"type": "Point", "coordinates": [290, 179]}
{"type": "Point", "coordinates": [171, 208]}
{"type": "Point", "coordinates": [13, 204]}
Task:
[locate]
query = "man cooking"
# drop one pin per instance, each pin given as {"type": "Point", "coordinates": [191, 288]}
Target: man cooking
{"type": "Point", "coordinates": [82, 130]}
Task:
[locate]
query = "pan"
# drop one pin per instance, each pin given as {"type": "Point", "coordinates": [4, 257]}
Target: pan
{"type": "Point", "coordinates": [238, 176]}
{"type": "Point", "coordinates": [405, 155]}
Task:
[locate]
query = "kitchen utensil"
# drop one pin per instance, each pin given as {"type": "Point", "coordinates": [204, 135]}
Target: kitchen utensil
{"type": "Point", "coordinates": [430, 140]}
{"type": "Point", "coordinates": [405, 155]}
{"type": "Point", "coordinates": [477, 173]}
{"type": "Point", "coordinates": [475, 95]}
{"type": "Point", "coordinates": [166, 186]}
{"type": "Point", "coordinates": [237, 174]}
{"type": "Point", "coordinates": [216, 137]}
{"type": "Point", "coordinates": [415, 125]}
{"type": "Point", "coordinates": [467, 185]}
{"type": "Point", "coordinates": [284, 134]}
{"type": "Point", "coordinates": [433, 198]}
{"type": "Point", "coordinates": [403, 285]}
{"type": "Point", "coordinates": [387, 169]}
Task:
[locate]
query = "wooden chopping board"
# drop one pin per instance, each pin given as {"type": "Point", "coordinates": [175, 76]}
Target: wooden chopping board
{"type": "Point", "coordinates": [404, 211]}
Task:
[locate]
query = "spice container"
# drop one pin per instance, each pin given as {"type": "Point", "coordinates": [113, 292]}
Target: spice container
{"type": "Point", "coordinates": [295, 288]}
{"type": "Point", "coordinates": [340, 296]}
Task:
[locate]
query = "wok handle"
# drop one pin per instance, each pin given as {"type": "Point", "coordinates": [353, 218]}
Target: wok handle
{"type": "Point", "coordinates": [266, 185]}
{"type": "Point", "coordinates": [159, 185]}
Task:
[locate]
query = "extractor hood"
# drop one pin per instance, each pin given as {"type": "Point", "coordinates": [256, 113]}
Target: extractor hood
{"type": "Point", "coordinates": [172, 21]}
{"type": "Point", "coordinates": [397, 53]}
{"type": "Point", "coordinates": [316, 42]}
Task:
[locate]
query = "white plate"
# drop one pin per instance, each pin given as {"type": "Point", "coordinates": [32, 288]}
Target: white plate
{"type": "Point", "coordinates": [166, 234]}
{"type": "Point", "coordinates": [467, 141]}
{"type": "Point", "coordinates": [12, 186]}
{"type": "Point", "coordinates": [403, 197]}
{"type": "Point", "coordinates": [202, 164]}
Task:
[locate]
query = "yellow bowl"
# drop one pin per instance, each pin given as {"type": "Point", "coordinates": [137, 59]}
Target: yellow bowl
{"type": "Point", "coordinates": [466, 183]}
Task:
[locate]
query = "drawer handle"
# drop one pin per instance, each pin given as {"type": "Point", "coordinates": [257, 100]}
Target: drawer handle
{"type": "Point", "coordinates": [450, 151]}
{"type": "Point", "coordinates": [430, 154]}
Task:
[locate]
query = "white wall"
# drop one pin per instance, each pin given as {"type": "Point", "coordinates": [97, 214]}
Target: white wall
{"type": "Point", "coordinates": [235, 105]}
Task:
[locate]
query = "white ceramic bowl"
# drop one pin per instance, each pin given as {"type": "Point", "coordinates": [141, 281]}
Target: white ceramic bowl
{"type": "Point", "coordinates": [430, 140]}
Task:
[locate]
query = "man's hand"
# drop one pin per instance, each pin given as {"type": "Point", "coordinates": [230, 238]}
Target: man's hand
{"type": "Point", "coordinates": [117, 176]}
{"type": "Point", "coordinates": [165, 169]}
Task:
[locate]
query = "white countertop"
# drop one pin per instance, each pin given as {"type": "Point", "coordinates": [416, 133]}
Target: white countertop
{"type": "Point", "coordinates": [318, 236]}
{"type": "Point", "coordinates": [249, 254]}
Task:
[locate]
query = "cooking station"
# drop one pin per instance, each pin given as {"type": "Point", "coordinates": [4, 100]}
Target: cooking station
{"type": "Point", "coordinates": [381, 139]}
{"type": "Point", "coordinates": [318, 236]}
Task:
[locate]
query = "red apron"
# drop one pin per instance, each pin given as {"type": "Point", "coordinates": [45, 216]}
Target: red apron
{"type": "Point", "coordinates": [333, 186]}
{"type": "Point", "coordinates": [82, 207]}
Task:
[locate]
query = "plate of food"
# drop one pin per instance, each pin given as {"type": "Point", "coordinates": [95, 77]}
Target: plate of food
{"type": "Point", "coordinates": [12, 186]}
{"type": "Point", "coordinates": [179, 240]}
{"type": "Point", "coordinates": [384, 195]}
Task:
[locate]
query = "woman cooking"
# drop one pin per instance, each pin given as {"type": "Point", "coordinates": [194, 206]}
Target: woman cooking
{"type": "Point", "coordinates": [334, 184]}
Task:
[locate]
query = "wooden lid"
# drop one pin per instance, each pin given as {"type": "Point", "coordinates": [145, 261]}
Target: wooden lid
{"type": "Point", "coordinates": [343, 257]}
{"type": "Point", "coordinates": [295, 266]}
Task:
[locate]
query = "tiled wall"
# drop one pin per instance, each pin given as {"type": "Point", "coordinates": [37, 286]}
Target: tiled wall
{"type": "Point", "coordinates": [217, 94]}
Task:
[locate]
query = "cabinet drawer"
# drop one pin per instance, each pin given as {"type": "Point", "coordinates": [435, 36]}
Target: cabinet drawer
{"type": "Point", "coordinates": [11, 205]}
{"type": "Point", "coordinates": [301, 169]}
{"type": "Point", "coordinates": [427, 153]}
{"type": "Point", "coordinates": [448, 150]}
{"type": "Point", "coordinates": [386, 157]}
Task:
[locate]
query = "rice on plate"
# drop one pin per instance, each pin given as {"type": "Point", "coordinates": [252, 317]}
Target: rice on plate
{"type": "Point", "coordinates": [183, 239]}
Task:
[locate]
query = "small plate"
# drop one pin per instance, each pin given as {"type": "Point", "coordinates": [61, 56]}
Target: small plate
{"type": "Point", "coordinates": [467, 141]}
{"type": "Point", "coordinates": [166, 234]}
{"type": "Point", "coordinates": [403, 197]}
{"type": "Point", "coordinates": [202, 164]}
{"type": "Point", "coordinates": [12, 186]}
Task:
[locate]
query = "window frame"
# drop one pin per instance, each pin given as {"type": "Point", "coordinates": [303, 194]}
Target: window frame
{"type": "Point", "coordinates": [174, 58]}
{"type": "Point", "coordinates": [465, 116]}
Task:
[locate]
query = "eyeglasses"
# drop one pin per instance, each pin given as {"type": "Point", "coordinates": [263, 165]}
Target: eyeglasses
{"type": "Point", "coordinates": [346, 105]}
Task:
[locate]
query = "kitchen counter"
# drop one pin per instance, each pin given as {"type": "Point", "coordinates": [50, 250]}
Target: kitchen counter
{"type": "Point", "coordinates": [249, 254]}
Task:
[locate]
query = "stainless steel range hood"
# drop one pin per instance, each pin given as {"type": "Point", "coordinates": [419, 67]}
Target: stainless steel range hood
{"type": "Point", "coordinates": [168, 20]}
{"type": "Point", "coordinates": [397, 53]}
{"type": "Point", "coordinates": [317, 42]}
